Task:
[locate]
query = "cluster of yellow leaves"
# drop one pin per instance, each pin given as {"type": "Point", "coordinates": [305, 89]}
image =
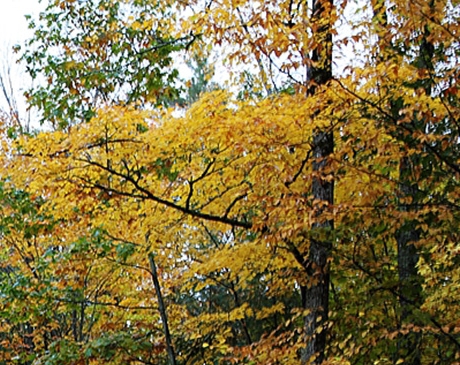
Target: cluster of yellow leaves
{"type": "Point", "coordinates": [165, 183]}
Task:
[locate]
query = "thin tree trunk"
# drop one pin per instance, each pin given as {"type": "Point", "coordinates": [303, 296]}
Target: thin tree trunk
{"type": "Point", "coordinates": [162, 309]}
{"type": "Point", "coordinates": [316, 293]}
{"type": "Point", "coordinates": [408, 235]}
{"type": "Point", "coordinates": [409, 285]}
{"type": "Point", "coordinates": [408, 345]}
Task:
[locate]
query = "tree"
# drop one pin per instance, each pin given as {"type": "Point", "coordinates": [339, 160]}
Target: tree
{"type": "Point", "coordinates": [14, 113]}
{"type": "Point", "coordinates": [316, 293]}
{"type": "Point", "coordinates": [96, 52]}
{"type": "Point", "coordinates": [423, 53]}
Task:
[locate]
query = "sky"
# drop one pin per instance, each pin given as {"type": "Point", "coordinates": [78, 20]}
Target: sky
{"type": "Point", "coordinates": [13, 26]}
{"type": "Point", "coordinates": [14, 30]}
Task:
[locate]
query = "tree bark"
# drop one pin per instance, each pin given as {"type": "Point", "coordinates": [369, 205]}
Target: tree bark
{"type": "Point", "coordinates": [409, 285]}
{"type": "Point", "coordinates": [408, 235]}
{"type": "Point", "coordinates": [316, 293]}
{"type": "Point", "coordinates": [162, 309]}
{"type": "Point", "coordinates": [410, 290]}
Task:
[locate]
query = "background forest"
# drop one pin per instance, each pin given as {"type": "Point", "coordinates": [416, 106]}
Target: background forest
{"type": "Point", "coordinates": [293, 199]}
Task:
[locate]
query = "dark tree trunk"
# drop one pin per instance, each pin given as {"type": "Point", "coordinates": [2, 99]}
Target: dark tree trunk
{"type": "Point", "coordinates": [316, 293]}
{"type": "Point", "coordinates": [408, 236]}
{"type": "Point", "coordinates": [162, 309]}
{"type": "Point", "coordinates": [409, 285]}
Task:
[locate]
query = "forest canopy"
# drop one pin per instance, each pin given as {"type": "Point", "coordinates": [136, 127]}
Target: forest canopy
{"type": "Point", "coordinates": [303, 211]}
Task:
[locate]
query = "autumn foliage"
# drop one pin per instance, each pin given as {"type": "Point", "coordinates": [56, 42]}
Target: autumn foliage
{"type": "Point", "coordinates": [140, 230]}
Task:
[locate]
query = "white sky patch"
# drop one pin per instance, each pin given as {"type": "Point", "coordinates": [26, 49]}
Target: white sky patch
{"type": "Point", "coordinates": [14, 30]}
{"type": "Point", "coordinates": [13, 25]}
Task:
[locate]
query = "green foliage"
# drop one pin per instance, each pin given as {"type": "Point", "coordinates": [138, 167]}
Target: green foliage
{"type": "Point", "coordinates": [89, 53]}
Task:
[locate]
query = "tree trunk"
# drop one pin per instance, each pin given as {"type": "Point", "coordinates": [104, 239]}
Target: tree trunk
{"type": "Point", "coordinates": [316, 294]}
{"type": "Point", "coordinates": [316, 299]}
{"type": "Point", "coordinates": [410, 290]}
{"type": "Point", "coordinates": [162, 309]}
{"type": "Point", "coordinates": [408, 235]}
{"type": "Point", "coordinates": [409, 285]}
